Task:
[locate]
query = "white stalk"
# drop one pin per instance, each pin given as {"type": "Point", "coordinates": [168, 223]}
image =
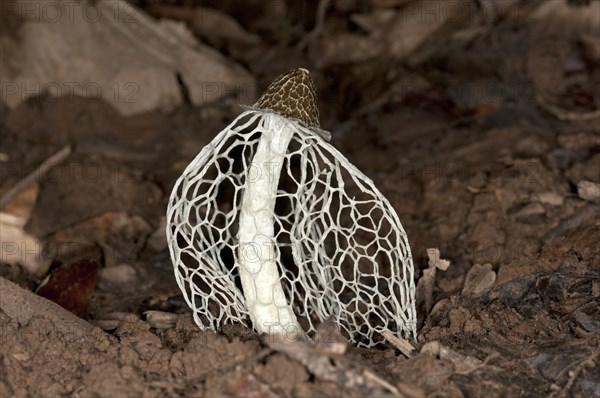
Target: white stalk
{"type": "Point", "coordinates": [257, 256]}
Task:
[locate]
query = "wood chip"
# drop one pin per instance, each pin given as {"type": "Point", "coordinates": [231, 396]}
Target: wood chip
{"type": "Point", "coordinates": [589, 191]}
{"type": "Point", "coordinates": [161, 319]}
{"type": "Point", "coordinates": [479, 280]}
{"type": "Point", "coordinates": [402, 345]}
{"type": "Point", "coordinates": [424, 292]}
{"type": "Point", "coordinates": [436, 261]}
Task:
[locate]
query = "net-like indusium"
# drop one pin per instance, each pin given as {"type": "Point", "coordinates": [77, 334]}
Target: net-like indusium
{"type": "Point", "coordinates": [272, 227]}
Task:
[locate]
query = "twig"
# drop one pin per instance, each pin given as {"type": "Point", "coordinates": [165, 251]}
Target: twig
{"type": "Point", "coordinates": [246, 362]}
{"type": "Point", "coordinates": [325, 367]}
{"type": "Point", "coordinates": [403, 345]}
{"type": "Point", "coordinates": [479, 366]}
{"type": "Point", "coordinates": [378, 380]}
{"type": "Point", "coordinates": [565, 115]}
{"type": "Point", "coordinates": [21, 185]}
{"type": "Point", "coordinates": [320, 21]}
{"type": "Point", "coordinates": [574, 374]}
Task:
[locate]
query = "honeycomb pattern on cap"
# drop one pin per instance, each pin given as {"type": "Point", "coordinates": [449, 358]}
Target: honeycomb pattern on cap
{"type": "Point", "coordinates": [292, 95]}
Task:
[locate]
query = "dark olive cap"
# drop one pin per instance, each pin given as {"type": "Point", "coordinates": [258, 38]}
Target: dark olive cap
{"type": "Point", "coordinates": [292, 95]}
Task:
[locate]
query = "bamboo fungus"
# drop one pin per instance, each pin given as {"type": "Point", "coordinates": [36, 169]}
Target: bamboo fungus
{"type": "Point", "coordinates": [271, 224]}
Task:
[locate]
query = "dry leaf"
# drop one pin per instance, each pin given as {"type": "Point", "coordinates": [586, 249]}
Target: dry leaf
{"type": "Point", "coordinates": [480, 279]}
{"type": "Point", "coordinates": [89, 51]}
{"type": "Point", "coordinates": [19, 247]}
{"type": "Point", "coordinates": [71, 286]}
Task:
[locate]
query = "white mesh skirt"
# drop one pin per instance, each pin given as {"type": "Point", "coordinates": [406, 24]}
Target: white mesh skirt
{"type": "Point", "coordinates": [272, 227]}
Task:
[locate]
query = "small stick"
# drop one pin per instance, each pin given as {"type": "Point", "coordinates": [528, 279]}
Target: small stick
{"type": "Point", "coordinates": [574, 374]}
{"type": "Point", "coordinates": [378, 380]}
{"type": "Point", "coordinates": [564, 115]}
{"type": "Point", "coordinates": [403, 345]}
{"type": "Point", "coordinates": [319, 23]}
{"type": "Point", "coordinates": [21, 185]}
